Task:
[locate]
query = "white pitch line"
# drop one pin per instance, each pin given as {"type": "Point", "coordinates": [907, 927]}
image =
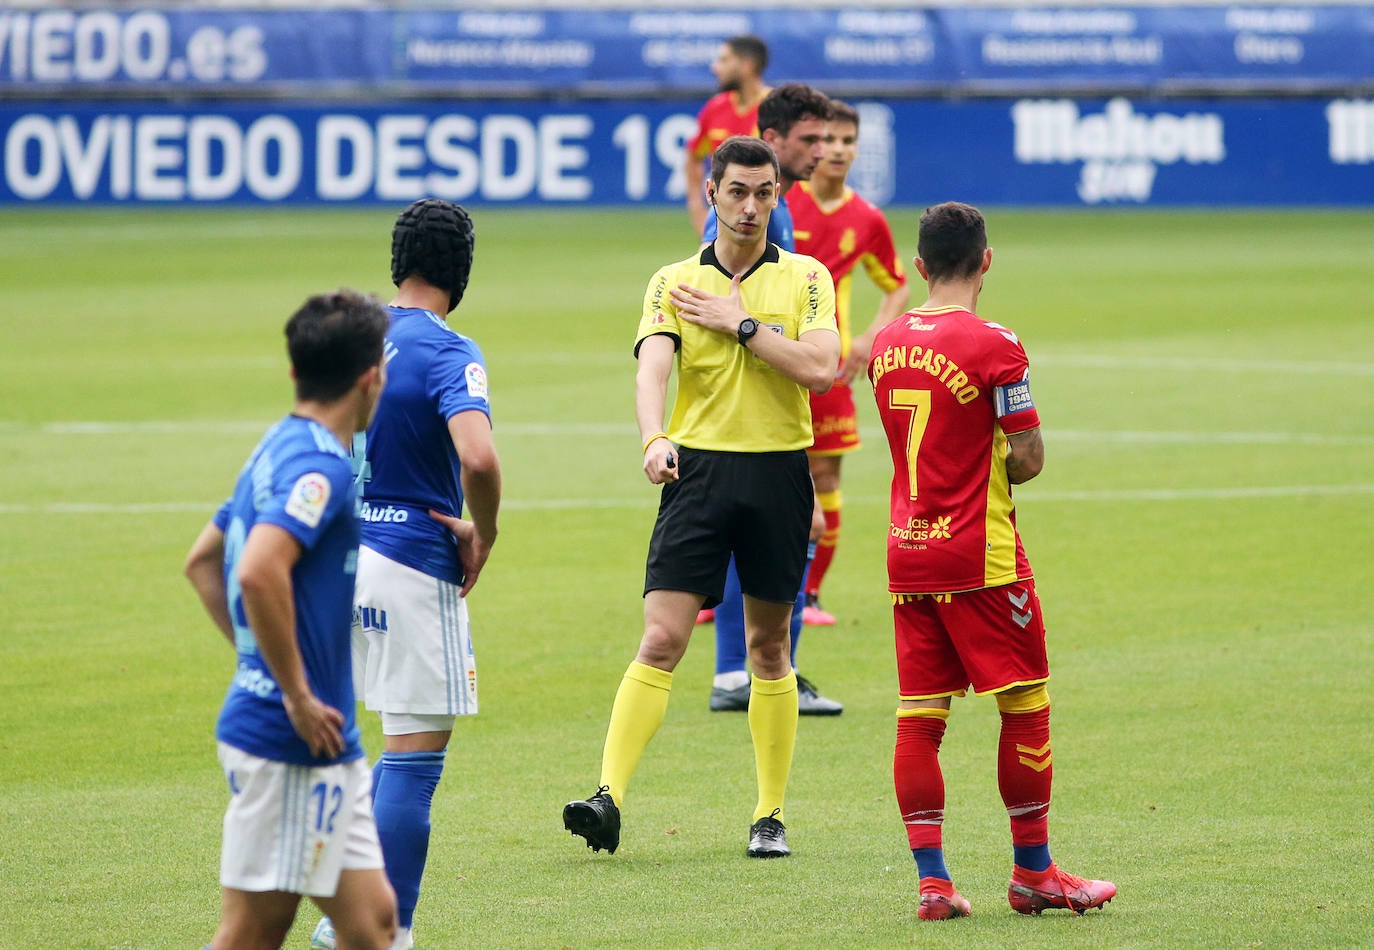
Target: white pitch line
{"type": "Point", "coordinates": [618, 429]}
{"type": "Point", "coordinates": [1203, 364]}
{"type": "Point", "coordinates": [649, 500]}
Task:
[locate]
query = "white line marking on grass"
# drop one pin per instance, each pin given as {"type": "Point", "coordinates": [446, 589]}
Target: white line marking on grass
{"type": "Point", "coordinates": [1204, 364]}
{"type": "Point", "coordinates": [649, 500]}
{"type": "Point", "coordinates": [1205, 438]}
{"type": "Point", "coordinates": [618, 429]}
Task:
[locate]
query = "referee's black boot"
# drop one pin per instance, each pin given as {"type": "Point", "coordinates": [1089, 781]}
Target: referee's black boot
{"type": "Point", "coordinates": [768, 838]}
{"type": "Point", "coordinates": [597, 819]}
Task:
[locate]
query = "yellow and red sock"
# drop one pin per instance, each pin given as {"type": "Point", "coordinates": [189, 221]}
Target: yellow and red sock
{"type": "Point", "coordinates": [1025, 775]}
{"type": "Point", "coordinates": [917, 777]}
{"type": "Point", "coordinates": [831, 502]}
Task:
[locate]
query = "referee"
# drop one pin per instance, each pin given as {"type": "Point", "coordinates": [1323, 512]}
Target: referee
{"type": "Point", "coordinates": [752, 329]}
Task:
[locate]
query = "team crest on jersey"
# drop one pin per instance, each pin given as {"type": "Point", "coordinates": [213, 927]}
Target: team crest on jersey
{"type": "Point", "coordinates": [848, 241]}
{"type": "Point", "coordinates": [308, 499]}
{"type": "Point", "coordinates": [477, 381]}
{"type": "Point", "coordinates": [814, 275]}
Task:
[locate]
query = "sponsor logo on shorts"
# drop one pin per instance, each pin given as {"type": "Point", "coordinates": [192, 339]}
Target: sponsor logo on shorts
{"type": "Point", "coordinates": [369, 618]}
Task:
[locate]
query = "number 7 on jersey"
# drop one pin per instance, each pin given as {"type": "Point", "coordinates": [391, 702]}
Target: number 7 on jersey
{"type": "Point", "coordinates": [917, 402]}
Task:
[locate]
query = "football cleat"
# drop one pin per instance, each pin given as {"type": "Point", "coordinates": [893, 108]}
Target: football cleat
{"type": "Point", "coordinates": [597, 819]}
{"type": "Point", "coordinates": [323, 937]}
{"type": "Point", "coordinates": [706, 615]}
{"type": "Point", "coordinates": [1031, 892]}
{"type": "Point", "coordinates": [938, 905]}
{"type": "Point", "coordinates": [814, 616]}
{"type": "Point", "coordinates": [812, 703]}
{"type": "Point", "coordinates": [730, 700]}
{"type": "Point", "coordinates": [768, 838]}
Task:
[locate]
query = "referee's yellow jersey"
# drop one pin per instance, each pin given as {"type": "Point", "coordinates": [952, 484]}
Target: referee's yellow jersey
{"type": "Point", "coordinates": [729, 400]}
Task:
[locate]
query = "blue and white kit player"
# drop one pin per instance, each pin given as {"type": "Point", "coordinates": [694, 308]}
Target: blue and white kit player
{"type": "Point", "coordinates": [427, 454]}
{"type": "Point", "coordinates": [275, 570]}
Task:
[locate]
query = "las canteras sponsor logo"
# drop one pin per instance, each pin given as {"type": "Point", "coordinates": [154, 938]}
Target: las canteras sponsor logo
{"type": "Point", "coordinates": [1120, 148]}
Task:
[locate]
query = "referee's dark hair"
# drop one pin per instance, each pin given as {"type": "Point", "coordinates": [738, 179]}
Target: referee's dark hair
{"type": "Point", "coordinates": [951, 239]}
{"type": "Point", "coordinates": [333, 339]}
{"type": "Point", "coordinates": [433, 239]}
{"type": "Point", "coordinates": [745, 151]}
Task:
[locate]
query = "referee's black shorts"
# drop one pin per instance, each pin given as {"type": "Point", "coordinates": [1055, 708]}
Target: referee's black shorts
{"type": "Point", "coordinates": [754, 505]}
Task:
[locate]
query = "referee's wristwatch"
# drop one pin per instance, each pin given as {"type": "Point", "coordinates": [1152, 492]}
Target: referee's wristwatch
{"type": "Point", "coordinates": [747, 328]}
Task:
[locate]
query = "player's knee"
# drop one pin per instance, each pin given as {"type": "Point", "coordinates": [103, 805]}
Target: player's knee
{"type": "Point", "coordinates": [375, 929]}
{"type": "Point", "coordinates": [770, 658]}
{"type": "Point", "coordinates": [1024, 699]}
{"type": "Point", "coordinates": [661, 647]}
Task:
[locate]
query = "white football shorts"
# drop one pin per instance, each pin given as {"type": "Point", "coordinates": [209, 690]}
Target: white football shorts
{"type": "Point", "coordinates": [412, 648]}
{"type": "Point", "coordinates": [295, 828]}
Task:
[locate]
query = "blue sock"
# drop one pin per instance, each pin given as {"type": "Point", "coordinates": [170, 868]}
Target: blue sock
{"type": "Point", "coordinates": [930, 862]}
{"type": "Point", "coordinates": [402, 811]}
{"type": "Point", "coordinates": [1032, 857]}
{"type": "Point", "coordinates": [795, 627]}
{"type": "Point", "coordinates": [377, 773]}
{"type": "Point", "coordinates": [731, 651]}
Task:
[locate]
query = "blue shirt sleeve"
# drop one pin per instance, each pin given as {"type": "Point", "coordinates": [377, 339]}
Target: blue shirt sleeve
{"type": "Point", "coordinates": [307, 495]}
{"type": "Point", "coordinates": [458, 380]}
{"type": "Point", "coordinates": [222, 516]}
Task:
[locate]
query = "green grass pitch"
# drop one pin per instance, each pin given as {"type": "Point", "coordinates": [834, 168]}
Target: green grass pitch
{"type": "Point", "coordinates": [1201, 535]}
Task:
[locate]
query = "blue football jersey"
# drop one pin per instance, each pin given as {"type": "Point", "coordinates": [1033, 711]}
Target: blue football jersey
{"type": "Point", "coordinates": [406, 463]}
{"type": "Point", "coordinates": [779, 227]}
{"type": "Point", "coordinates": [299, 478]}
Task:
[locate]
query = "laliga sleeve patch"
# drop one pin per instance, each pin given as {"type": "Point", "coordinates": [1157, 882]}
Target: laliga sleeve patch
{"type": "Point", "coordinates": [477, 381]}
{"type": "Point", "coordinates": [309, 497]}
{"type": "Point", "coordinates": [1013, 397]}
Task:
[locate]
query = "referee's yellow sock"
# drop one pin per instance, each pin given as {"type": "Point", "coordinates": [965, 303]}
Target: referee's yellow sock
{"type": "Point", "coordinates": [640, 705]}
{"type": "Point", "coordinates": [773, 726]}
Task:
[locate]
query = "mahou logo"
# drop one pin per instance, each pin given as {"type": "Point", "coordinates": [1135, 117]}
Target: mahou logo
{"type": "Point", "coordinates": [1120, 148]}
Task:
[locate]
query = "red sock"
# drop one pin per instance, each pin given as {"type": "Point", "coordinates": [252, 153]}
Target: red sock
{"type": "Point", "coordinates": [1025, 773]}
{"type": "Point", "coordinates": [825, 552]}
{"type": "Point", "coordinates": [919, 781]}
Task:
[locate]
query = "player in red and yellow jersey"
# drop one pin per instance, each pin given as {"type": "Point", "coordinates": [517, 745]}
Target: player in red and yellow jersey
{"type": "Point", "coordinates": [953, 393]}
{"type": "Point", "coordinates": [738, 68]}
{"type": "Point", "coordinates": [841, 230]}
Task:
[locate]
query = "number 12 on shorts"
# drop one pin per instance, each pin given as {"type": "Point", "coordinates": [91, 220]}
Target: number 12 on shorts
{"type": "Point", "coordinates": [916, 402]}
{"type": "Point", "coordinates": [328, 799]}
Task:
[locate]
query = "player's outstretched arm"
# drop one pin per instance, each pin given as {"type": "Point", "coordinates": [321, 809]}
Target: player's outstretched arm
{"type": "Point", "coordinates": [1025, 455]}
{"type": "Point", "coordinates": [481, 477]}
{"type": "Point", "coordinates": [651, 396]}
{"type": "Point", "coordinates": [204, 568]}
{"type": "Point", "coordinates": [264, 568]}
